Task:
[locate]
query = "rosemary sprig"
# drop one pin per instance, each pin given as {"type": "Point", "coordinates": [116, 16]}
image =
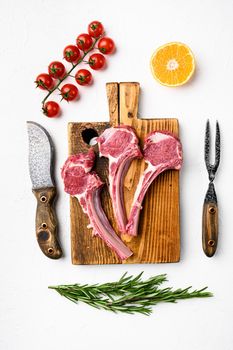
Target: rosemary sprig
{"type": "Point", "coordinates": [130, 294]}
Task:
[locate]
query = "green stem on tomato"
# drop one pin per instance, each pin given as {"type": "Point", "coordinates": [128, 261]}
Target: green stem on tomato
{"type": "Point", "coordinates": [68, 73]}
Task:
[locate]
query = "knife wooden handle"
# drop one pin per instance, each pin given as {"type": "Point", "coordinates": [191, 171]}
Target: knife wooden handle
{"type": "Point", "coordinates": [46, 223]}
{"type": "Point", "coordinates": [210, 225]}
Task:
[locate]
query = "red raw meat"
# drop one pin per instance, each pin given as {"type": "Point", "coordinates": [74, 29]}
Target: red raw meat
{"type": "Point", "coordinates": [85, 185]}
{"type": "Point", "coordinates": [120, 145]}
{"type": "Point", "coordinates": [162, 151]}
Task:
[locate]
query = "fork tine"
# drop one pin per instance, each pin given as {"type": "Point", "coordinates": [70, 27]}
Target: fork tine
{"type": "Point", "coordinates": [207, 144]}
{"type": "Point", "coordinates": [217, 147]}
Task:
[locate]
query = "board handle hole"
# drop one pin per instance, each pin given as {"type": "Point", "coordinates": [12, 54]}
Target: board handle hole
{"type": "Point", "coordinates": [89, 136]}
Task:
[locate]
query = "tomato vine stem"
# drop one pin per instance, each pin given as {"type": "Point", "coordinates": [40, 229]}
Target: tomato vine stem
{"type": "Point", "coordinates": [68, 73]}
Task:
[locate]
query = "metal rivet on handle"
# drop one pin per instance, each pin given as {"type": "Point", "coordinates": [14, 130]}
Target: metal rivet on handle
{"type": "Point", "coordinates": [43, 199]}
{"type": "Point", "coordinates": [50, 250]}
{"type": "Point", "coordinates": [212, 210]}
{"type": "Point", "coordinates": [211, 243]}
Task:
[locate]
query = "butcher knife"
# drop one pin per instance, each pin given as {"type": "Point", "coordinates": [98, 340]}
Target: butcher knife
{"type": "Point", "coordinates": [41, 155]}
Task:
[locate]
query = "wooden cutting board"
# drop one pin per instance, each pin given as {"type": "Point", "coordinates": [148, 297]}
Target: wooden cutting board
{"type": "Point", "coordinates": [158, 237]}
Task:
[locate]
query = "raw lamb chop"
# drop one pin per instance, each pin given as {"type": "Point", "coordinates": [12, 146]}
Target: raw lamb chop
{"type": "Point", "coordinates": [85, 185]}
{"type": "Point", "coordinates": [120, 145]}
{"type": "Point", "coordinates": [162, 151]}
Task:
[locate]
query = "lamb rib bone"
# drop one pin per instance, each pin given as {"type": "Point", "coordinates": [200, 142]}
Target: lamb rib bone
{"type": "Point", "coordinates": [120, 145]}
{"type": "Point", "coordinates": [85, 185]}
{"type": "Point", "coordinates": [162, 151]}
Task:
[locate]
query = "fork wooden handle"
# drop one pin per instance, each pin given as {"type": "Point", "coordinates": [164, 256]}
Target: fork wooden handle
{"type": "Point", "coordinates": [210, 222]}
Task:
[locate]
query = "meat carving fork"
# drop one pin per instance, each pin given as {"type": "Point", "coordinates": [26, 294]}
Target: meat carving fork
{"type": "Point", "coordinates": [210, 206]}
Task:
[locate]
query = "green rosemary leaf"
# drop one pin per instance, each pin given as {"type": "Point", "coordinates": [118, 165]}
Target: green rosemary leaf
{"type": "Point", "coordinates": [129, 294]}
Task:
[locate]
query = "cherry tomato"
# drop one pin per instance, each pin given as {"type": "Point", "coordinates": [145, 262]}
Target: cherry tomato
{"type": "Point", "coordinates": [51, 109]}
{"type": "Point", "coordinates": [44, 81]}
{"type": "Point", "coordinates": [84, 42]}
{"type": "Point", "coordinates": [83, 77]}
{"type": "Point", "coordinates": [69, 92]}
{"type": "Point", "coordinates": [56, 69]}
{"type": "Point", "coordinates": [71, 53]}
{"type": "Point", "coordinates": [106, 45]}
{"type": "Point", "coordinates": [96, 61]}
{"type": "Point", "coordinates": [95, 29]}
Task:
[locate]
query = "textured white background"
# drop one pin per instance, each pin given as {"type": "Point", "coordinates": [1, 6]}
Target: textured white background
{"type": "Point", "coordinates": [33, 33]}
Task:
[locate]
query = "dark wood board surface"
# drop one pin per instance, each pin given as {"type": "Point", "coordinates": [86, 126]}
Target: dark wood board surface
{"type": "Point", "coordinates": [158, 237]}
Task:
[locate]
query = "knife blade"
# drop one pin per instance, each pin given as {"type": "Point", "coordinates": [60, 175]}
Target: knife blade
{"type": "Point", "coordinates": [41, 157]}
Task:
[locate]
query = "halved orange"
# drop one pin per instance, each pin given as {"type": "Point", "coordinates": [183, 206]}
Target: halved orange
{"type": "Point", "coordinates": [172, 64]}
